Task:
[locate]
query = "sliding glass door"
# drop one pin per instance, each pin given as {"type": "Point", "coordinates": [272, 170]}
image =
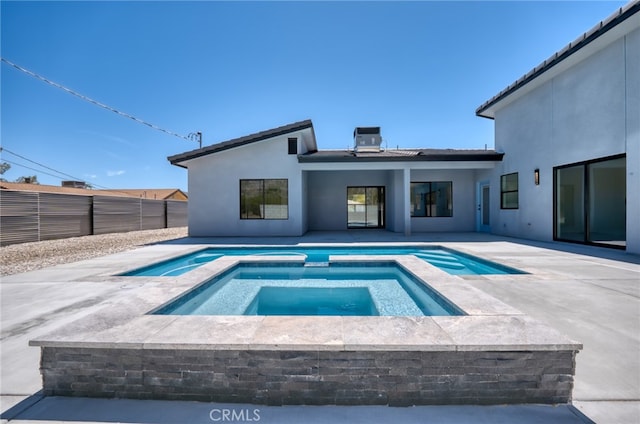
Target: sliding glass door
{"type": "Point", "coordinates": [570, 203]}
{"type": "Point", "coordinates": [607, 202]}
{"type": "Point", "coordinates": [365, 207]}
{"type": "Point", "coordinates": [590, 202]}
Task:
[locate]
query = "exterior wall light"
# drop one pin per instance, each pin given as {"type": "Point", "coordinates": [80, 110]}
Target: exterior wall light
{"type": "Point", "coordinates": [536, 176]}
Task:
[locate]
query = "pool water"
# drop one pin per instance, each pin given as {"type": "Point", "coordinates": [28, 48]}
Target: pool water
{"type": "Point", "coordinates": [344, 301]}
{"type": "Point", "coordinates": [452, 262]}
{"type": "Point", "coordinates": [294, 289]}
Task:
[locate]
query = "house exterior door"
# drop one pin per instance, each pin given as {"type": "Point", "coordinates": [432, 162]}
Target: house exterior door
{"type": "Point", "coordinates": [484, 209]}
{"type": "Point", "coordinates": [590, 202]}
{"type": "Point", "coordinates": [365, 207]}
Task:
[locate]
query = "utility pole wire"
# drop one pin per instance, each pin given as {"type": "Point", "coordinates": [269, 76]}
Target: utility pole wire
{"type": "Point", "coordinates": [4, 149]}
{"type": "Point", "coordinates": [101, 187]}
{"type": "Point", "coordinates": [90, 100]}
{"type": "Point", "coordinates": [28, 167]}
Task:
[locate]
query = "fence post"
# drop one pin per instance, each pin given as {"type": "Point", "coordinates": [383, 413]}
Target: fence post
{"type": "Point", "coordinates": [93, 216]}
{"type": "Point", "coordinates": [39, 217]}
{"type": "Point", "coordinates": [166, 218]}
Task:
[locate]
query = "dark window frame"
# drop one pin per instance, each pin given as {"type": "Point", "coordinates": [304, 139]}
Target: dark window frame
{"type": "Point", "coordinates": [262, 197]}
{"type": "Point", "coordinates": [503, 191]}
{"type": "Point", "coordinates": [427, 210]}
{"type": "Point", "coordinates": [586, 200]}
{"type": "Point", "coordinates": [293, 145]}
{"type": "Point", "coordinates": [381, 207]}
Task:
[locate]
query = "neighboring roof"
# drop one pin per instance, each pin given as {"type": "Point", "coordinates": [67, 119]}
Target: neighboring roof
{"type": "Point", "coordinates": [242, 141]}
{"type": "Point", "coordinates": [401, 155]}
{"type": "Point", "coordinates": [152, 193]}
{"type": "Point", "coordinates": [585, 39]}
{"type": "Point", "coordinates": [43, 188]}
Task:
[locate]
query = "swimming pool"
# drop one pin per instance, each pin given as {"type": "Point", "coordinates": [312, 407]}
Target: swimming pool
{"type": "Point", "coordinates": [346, 289]}
{"type": "Point", "coordinates": [453, 262]}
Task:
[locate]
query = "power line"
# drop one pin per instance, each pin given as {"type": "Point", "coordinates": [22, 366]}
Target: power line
{"type": "Point", "coordinates": [97, 103]}
{"type": "Point", "coordinates": [3, 149]}
{"type": "Point", "coordinates": [28, 167]}
{"type": "Point", "coordinates": [111, 190]}
{"type": "Point", "coordinates": [58, 177]}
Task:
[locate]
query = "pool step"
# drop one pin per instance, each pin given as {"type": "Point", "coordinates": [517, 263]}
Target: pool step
{"type": "Point", "coordinates": [441, 262]}
{"type": "Point", "coordinates": [206, 258]}
{"type": "Point", "coordinates": [436, 256]}
{"type": "Point", "coordinates": [316, 264]}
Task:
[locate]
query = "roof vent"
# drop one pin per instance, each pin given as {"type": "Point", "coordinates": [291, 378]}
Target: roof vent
{"type": "Point", "coordinates": [367, 139]}
{"type": "Point", "coordinates": [74, 184]}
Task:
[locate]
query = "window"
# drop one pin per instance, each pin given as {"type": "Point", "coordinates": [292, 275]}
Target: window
{"type": "Point", "coordinates": [509, 191]}
{"type": "Point", "coordinates": [293, 146]}
{"type": "Point", "coordinates": [264, 199]}
{"type": "Point", "coordinates": [432, 199]}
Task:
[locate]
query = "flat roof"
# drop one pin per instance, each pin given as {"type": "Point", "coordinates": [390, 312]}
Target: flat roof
{"type": "Point", "coordinates": [328, 156]}
{"type": "Point", "coordinates": [401, 155]}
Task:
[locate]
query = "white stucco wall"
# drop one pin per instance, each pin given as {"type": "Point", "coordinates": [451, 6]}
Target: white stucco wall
{"type": "Point", "coordinates": [327, 196]}
{"type": "Point", "coordinates": [396, 208]}
{"type": "Point", "coordinates": [633, 140]}
{"type": "Point", "coordinates": [587, 112]}
{"type": "Point", "coordinates": [327, 201]}
{"type": "Point", "coordinates": [214, 190]}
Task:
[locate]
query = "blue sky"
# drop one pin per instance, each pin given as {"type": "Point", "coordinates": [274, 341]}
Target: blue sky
{"type": "Point", "coordinates": [417, 69]}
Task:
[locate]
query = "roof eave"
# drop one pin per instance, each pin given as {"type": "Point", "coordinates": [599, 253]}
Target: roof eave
{"type": "Point", "coordinates": [488, 109]}
{"type": "Point", "coordinates": [179, 159]}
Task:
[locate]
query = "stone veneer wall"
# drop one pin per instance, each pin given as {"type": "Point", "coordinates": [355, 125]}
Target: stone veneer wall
{"type": "Point", "coordinates": [277, 377]}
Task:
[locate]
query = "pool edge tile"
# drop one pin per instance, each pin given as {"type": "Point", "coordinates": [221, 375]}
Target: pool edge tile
{"type": "Point", "coordinates": [205, 332]}
{"type": "Point", "coordinates": [396, 333]}
{"type": "Point", "coordinates": [300, 333]}
{"type": "Point", "coordinates": [510, 332]}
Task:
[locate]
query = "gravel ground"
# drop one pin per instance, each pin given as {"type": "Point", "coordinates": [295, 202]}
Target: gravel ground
{"type": "Point", "coordinates": [24, 257]}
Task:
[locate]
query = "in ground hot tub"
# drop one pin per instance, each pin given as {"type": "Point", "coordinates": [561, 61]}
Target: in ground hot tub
{"type": "Point", "coordinates": [343, 288]}
{"type": "Point", "coordinates": [492, 354]}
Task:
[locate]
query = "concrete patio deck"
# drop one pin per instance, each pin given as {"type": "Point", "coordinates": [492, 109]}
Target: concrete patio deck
{"type": "Point", "coordinates": [592, 295]}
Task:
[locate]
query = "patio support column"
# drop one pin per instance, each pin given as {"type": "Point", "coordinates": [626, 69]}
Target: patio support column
{"type": "Point", "coordinates": [406, 197]}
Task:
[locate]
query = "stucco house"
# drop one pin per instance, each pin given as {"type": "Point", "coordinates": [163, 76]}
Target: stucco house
{"type": "Point", "coordinates": [566, 164]}
{"type": "Point", "coordinates": [570, 130]}
{"type": "Point", "coordinates": [277, 183]}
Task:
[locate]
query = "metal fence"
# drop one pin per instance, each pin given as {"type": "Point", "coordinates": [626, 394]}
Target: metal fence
{"type": "Point", "coordinates": [30, 216]}
{"type": "Point", "coordinates": [176, 213]}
